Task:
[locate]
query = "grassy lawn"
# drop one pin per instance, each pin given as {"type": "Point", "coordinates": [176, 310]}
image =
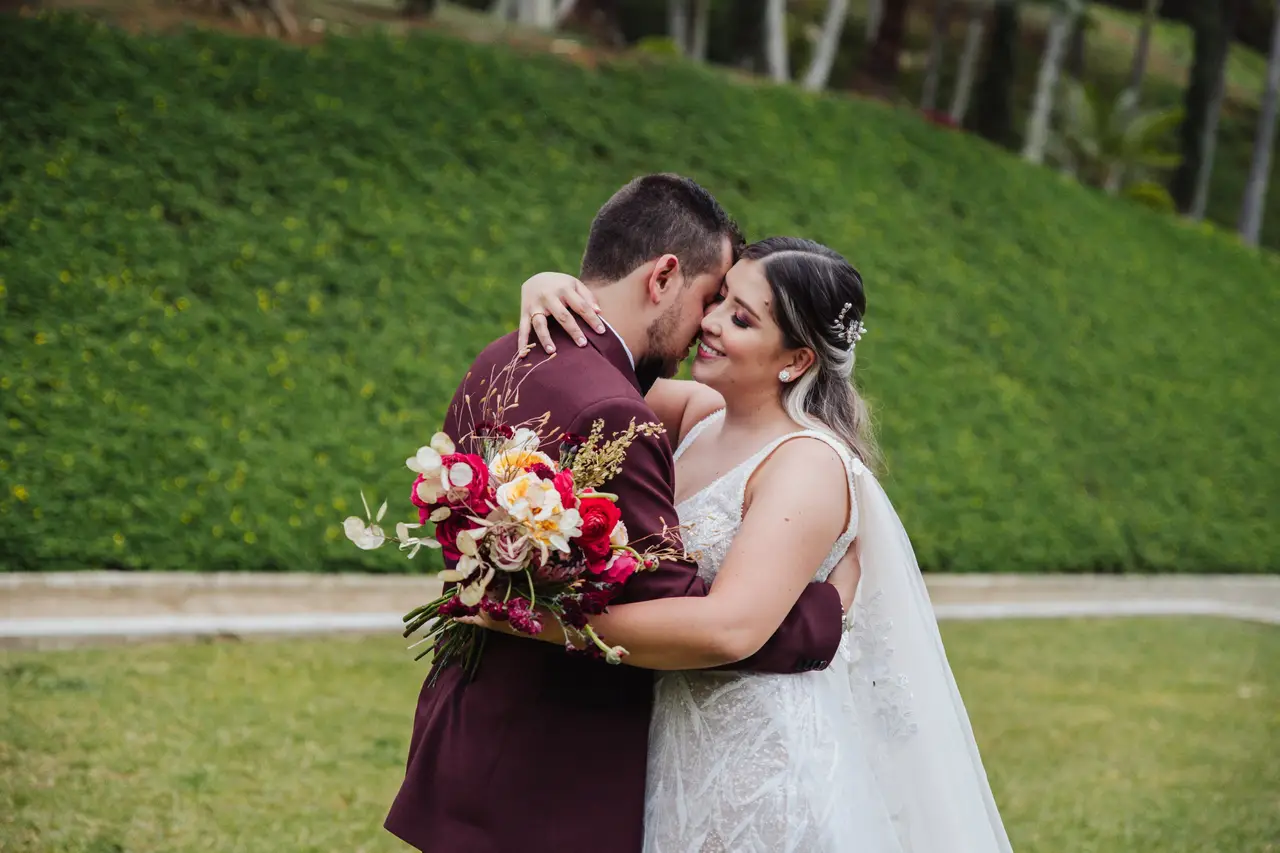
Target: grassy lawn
{"type": "Point", "coordinates": [1100, 737]}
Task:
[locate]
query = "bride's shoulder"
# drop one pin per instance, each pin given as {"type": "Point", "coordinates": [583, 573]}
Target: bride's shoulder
{"type": "Point", "coordinates": [804, 462]}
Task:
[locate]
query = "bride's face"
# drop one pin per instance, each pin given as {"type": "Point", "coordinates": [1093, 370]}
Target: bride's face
{"type": "Point", "coordinates": [741, 347]}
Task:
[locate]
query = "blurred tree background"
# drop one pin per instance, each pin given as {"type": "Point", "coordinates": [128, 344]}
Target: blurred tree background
{"type": "Point", "coordinates": [240, 277]}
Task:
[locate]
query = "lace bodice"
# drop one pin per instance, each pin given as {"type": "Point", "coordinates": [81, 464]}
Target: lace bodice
{"type": "Point", "coordinates": [713, 516]}
{"type": "Point", "coordinates": [746, 762]}
{"type": "Point", "coordinates": [873, 754]}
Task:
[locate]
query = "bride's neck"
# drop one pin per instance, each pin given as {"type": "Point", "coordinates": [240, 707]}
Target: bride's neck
{"type": "Point", "coordinates": [755, 414]}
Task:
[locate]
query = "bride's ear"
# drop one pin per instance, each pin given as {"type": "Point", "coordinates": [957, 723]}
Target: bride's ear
{"type": "Point", "coordinates": [801, 360]}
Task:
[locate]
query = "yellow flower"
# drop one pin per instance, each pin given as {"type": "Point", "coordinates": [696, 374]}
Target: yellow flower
{"type": "Point", "coordinates": [509, 463]}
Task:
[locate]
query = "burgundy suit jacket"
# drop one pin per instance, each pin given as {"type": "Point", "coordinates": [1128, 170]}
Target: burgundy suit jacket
{"type": "Point", "coordinates": [545, 751]}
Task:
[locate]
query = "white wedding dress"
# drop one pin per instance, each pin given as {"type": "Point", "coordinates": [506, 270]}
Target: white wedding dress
{"type": "Point", "coordinates": [872, 755]}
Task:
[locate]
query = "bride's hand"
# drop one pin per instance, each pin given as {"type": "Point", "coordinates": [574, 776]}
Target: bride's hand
{"type": "Point", "coordinates": [560, 296]}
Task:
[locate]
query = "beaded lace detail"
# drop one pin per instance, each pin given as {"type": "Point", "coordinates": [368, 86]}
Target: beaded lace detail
{"type": "Point", "coordinates": [747, 762]}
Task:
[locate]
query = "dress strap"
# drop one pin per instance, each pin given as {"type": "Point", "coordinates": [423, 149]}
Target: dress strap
{"type": "Point", "coordinates": [696, 430]}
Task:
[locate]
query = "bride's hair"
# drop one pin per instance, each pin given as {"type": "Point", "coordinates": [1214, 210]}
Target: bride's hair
{"type": "Point", "coordinates": [819, 303]}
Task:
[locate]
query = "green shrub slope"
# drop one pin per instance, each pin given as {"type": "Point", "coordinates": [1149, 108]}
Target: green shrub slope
{"type": "Point", "coordinates": [240, 281]}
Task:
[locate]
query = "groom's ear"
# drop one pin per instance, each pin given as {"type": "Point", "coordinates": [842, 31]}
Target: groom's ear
{"type": "Point", "coordinates": [666, 274]}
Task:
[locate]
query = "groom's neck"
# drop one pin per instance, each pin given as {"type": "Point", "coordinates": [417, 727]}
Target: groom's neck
{"type": "Point", "coordinates": [625, 314]}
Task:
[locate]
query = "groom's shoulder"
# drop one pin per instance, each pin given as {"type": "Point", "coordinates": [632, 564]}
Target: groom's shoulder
{"type": "Point", "coordinates": [582, 374]}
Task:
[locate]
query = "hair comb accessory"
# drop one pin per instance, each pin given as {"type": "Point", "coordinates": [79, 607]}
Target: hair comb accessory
{"type": "Point", "coordinates": [853, 332]}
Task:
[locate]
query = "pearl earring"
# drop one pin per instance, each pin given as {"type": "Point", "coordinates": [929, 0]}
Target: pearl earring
{"type": "Point", "coordinates": [785, 375]}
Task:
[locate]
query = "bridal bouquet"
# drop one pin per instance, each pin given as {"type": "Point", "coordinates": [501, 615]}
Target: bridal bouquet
{"type": "Point", "coordinates": [522, 529]}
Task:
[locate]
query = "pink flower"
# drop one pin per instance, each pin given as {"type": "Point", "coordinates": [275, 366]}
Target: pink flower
{"type": "Point", "coordinates": [564, 485]}
{"type": "Point", "coordinates": [620, 568]}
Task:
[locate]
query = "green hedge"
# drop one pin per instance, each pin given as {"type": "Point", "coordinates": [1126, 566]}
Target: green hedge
{"type": "Point", "coordinates": [240, 281]}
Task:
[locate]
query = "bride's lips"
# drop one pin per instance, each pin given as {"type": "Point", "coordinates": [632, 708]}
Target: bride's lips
{"type": "Point", "coordinates": [706, 351]}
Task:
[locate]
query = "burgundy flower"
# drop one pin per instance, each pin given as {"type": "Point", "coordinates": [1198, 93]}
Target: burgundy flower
{"type": "Point", "coordinates": [594, 600]}
{"type": "Point", "coordinates": [454, 608]}
{"type": "Point", "coordinates": [571, 613]}
{"type": "Point", "coordinates": [543, 471]}
{"type": "Point", "coordinates": [523, 618]}
{"type": "Point", "coordinates": [494, 609]}
{"type": "Point", "coordinates": [447, 531]}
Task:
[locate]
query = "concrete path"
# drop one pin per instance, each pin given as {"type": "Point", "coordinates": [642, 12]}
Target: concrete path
{"type": "Point", "coordinates": [56, 610]}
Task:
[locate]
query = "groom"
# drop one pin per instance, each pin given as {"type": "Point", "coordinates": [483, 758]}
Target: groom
{"type": "Point", "coordinates": [543, 751]}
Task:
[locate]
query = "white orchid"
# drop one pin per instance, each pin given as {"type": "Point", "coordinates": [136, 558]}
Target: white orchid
{"type": "Point", "coordinates": [529, 498]}
{"type": "Point", "coordinates": [558, 530]}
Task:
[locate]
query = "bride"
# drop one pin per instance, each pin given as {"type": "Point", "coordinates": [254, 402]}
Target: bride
{"type": "Point", "coordinates": [872, 755]}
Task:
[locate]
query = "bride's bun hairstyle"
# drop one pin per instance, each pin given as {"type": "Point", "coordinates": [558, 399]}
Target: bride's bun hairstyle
{"type": "Point", "coordinates": [819, 303]}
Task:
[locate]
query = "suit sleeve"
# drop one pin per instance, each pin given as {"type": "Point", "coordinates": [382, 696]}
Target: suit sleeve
{"type": "Point", "coordinates": [808, 637]}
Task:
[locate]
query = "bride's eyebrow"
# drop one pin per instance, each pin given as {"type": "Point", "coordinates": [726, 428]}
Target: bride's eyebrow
{"type": "Point", "coordinates": [750, 310]}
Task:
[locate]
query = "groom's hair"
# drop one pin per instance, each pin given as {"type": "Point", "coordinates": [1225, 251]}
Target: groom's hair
{"type": "Point", "coordinates": [655, 215]}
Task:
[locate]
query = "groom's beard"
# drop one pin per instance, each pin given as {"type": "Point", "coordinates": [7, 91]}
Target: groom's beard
{"type": "Point", "coordinates": [663, 353]}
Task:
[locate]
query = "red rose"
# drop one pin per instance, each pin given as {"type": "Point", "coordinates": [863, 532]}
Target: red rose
{"type": "Point", "coordinates": [599, 517]}
{"type": "Point", "coordinates": [623, 566]}
{"type": "Point", "coordinates": [564, 485]}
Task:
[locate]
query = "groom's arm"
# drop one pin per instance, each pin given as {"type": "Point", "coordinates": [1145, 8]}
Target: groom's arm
{"type": "Point", "coordinates": [805, 641]}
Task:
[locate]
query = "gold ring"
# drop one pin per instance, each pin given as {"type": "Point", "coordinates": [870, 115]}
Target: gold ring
{"type": "Point", "coordinates": [537, 314]}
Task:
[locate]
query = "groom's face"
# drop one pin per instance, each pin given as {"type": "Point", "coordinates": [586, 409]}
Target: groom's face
{"type": "Point", "coordinates": [676, 330]}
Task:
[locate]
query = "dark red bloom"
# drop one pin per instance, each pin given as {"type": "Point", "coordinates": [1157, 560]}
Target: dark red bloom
{"type": "Point", "coordinates": [571, 613]}
{"type": "Point", "coordinates": [488, 429]}
{"type": "Point", "coordinates": [446, 532]}
{"type": "Point", "coordinates": [543, 471]}
{"type": "Point", "coordinates": [494, 609]}
{"type": "Point", "coordinates": [593, 601]}
{"type": "Point", "coordinates": [454, 608]}
{"type": "Point", "coordinates": [523, 618]}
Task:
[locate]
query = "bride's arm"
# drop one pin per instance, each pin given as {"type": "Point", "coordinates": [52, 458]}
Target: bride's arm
{"type": "Point", "coordinates": [799, 506]}
{"type": "Point", "coordinates": [679, 404]}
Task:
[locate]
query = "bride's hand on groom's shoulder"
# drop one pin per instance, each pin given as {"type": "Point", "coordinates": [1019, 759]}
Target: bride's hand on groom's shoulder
{"type": "Point", "coordinates": [559, 296]}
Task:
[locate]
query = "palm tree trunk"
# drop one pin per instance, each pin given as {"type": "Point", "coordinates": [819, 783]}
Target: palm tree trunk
{"type": "Point", "coordinates": [701, 22]}
{"type": "Point", "coordinates": [775, 34]}
{"type": "Point", "coordinates": [824, 56]}
{"type": "Point", "coordinates": [968, 64]}
{"type": "Point", "coordinates": [937, 45]}
{"type": "Point", "coordinates": [1255, 190]}
{"type": "Point", "coordinates": [993, 118]}
{"type": "Point", "coordinates": [1211, 25]}
{"type": "Point", "coordinates": [1138, 68]}
{"type": "Point", "coordinates": [678, 24]}
{"type": "Point", "coordinates": [1047, 84]}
